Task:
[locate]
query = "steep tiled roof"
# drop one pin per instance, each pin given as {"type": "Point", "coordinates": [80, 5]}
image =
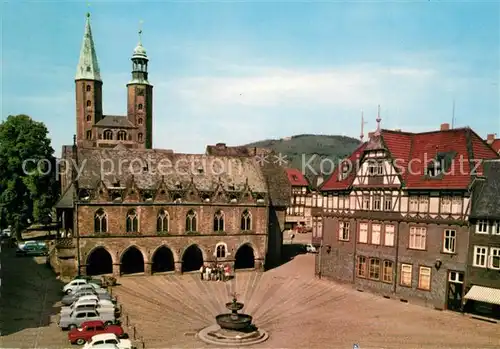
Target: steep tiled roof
{"type": "Point", "coordinates": [296, 177]}
{"type": "Point", "coordinates": [486, 193]}
{"type": "Point", "coordinates": [114, 121]}
{"type": "Point", "coordinates": [459, 149]}
{"type": "Point", "coordinates": [339, 182]}
{"type": "Point", "coordinates": [496, 145]}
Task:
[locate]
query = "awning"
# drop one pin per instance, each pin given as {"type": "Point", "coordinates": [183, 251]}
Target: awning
{"type": "Point", "coordinates": [484, 294]}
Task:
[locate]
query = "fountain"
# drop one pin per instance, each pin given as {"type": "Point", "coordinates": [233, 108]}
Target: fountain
{"type": "Point", "coordinates": [233, 328]}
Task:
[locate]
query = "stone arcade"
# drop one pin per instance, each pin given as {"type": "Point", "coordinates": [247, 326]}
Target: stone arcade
{"type": "Point", "coordinates": [127, 208]}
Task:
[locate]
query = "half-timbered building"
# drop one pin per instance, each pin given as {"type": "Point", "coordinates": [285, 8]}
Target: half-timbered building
{"type": "Point", "coordinates": [396, 214]}
{"type": "Point", "coordinates": [482, 279]}
{"type": "Point", "coordinates": [298, 213]}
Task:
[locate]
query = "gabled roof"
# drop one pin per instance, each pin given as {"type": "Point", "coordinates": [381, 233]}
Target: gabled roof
{"type": "Point", "coordinates": [496, 145]}
{"type": "Point", "coordinates": [339, 182]}
{"type": "Point", "coordinates": [115, 121]}
{"type": "Point", "coordinates": [296, 177]}
{"type": "Point", "coordinates": [486, 193]}
{"type": "Point", "coordinates": [412, 153]}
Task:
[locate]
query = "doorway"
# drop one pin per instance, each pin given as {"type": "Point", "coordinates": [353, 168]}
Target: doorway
{"type": "Point", "coordinates": [455, 290]}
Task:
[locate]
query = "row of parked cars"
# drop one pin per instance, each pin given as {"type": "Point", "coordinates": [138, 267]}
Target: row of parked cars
{"type": "Point", "coordinates": [91, 315]}
{"type": "Point", "coordinates": [32, 248]}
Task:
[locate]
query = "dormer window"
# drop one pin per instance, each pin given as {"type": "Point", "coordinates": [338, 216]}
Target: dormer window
{"type": "Point", "coordinates": [375, 169]}
{"type": "Point", "coordinates": [434, 169]}
{"type": "Point", "coordinates": [295, 178]}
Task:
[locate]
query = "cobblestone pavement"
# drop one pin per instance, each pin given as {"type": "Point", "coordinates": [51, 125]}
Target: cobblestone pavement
{"type": "Point", "coordinates": [29, 303]}
{"type": "Point", "coordinates": [297, 310]}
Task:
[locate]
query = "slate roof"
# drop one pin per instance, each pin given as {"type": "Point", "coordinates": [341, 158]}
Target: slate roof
{"type": "Point", "coordinates": [486, 193]}
{"type": "Point", "coordinates": [296, 177]}
{"type": "Point", "coordinates": [115, 121]}
{"type": "Point", "coordinates": [459, 148]}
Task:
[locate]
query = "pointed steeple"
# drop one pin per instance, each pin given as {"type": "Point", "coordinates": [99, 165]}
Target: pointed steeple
{"type": "Point", "coordinates": [88, 66]}
{"type": "Point", "coordinates": [379, 119]}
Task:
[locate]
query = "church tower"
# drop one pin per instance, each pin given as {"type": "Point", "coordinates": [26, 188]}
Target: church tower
{"type": "Point", "coordinates": [88, 88]}
{"type": "Point", "coordinates": [140, 98]}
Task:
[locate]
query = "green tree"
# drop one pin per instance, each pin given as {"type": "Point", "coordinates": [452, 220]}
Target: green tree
{"type": "Point", "coordinates": [28, 183]}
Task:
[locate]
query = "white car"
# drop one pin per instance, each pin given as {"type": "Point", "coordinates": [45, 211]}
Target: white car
{"type": "Point", "coordinates": [71, 286]}
{"type": "Point", "coordinates": [99, 340]}
{"type": "Point", "coordinates": [310, 248]}
{"type": "Point", "coordinates": [80, 285]}
{"type": "Point", "coordinates": [100, 305]}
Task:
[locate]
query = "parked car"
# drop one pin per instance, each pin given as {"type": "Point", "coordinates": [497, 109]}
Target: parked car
{"type": "Point", "coordinates": [70, 286]}
{"type": "Point", "coordinates": [311, 249]}
{"type": "Point", "coordinates": [6, 233]}
{"type": "Point", "coordinates": [73, 297]}
{"type": "Point", "coordinates": [90, 287]}
{"type": "Point", "coordinates": [80, 305]}
{"type": "Point", "coordinates": [90, 279]}
{"type": "Point", "coordinates": [99, 340]}
{"type": "Point", "coordinates": [91, 328]}
{"type": "Point", "coordinates": [77, 317]}
{"type": "Point", "coordinates": [32, 250]}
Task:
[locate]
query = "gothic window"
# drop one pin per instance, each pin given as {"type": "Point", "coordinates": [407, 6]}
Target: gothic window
{"type": "Point", "coordinates": [122, 136]}
{"type": "Point", "coordinates": [108, 134]}
{"type": "Point", "coordinates": [100, 221]}
{"type": "Point", "coordinates": [139, 137]}
{"type": "Point", "coordinates": [89, 103]}
{"type": "Point", "coordinates": [219, 221]}
{"type": "Point", "coordinates": [88, 88]}
{"type": "Point", "coordinates": [191, 221]}
{"type": "Point", "coordinates": [139, 106]}
{"type": "Point", "coordinates": [132, 222]}
{"type": "Point", "coordinates": [221, 250]}
{"type": "Point", "coordinates": [89, 135]}
{"type": "Point", "coordinates": [89, 117]}
{"type": "Point", "coordinates": [162, 222]}
{"type": "Point", "coordinates": [139, 121]}
{"type": "Point", "coordinates": [246, 220]}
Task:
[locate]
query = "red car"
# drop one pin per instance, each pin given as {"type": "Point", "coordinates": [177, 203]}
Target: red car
{"type": "Point", "coordinates": [91, 328]}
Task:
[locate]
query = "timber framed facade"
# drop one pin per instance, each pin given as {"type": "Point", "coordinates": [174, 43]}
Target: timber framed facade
{"type": "Point", "coordinates": [399, 227]}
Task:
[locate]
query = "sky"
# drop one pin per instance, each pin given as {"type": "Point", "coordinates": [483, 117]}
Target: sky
{"type": "Point", "coordinates": [237, 72]}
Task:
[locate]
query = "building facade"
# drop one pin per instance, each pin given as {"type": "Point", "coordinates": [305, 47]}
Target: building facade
{"type": "Point", "coordinates": [483, 270]}
{"type": "Point", "coordinates": [128, 208]}
{"type": "Point", "coordinates": [298, 214]}
{"type": "Point", "coordinates": [395, 220]}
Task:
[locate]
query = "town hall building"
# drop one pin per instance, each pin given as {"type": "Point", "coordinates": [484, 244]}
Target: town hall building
{"type": "Point", "coordinates": [128, 208]}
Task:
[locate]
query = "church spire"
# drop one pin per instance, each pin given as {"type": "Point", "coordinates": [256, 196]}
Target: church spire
{"type": "Point", "coordinates": [140, 63]}
{"type": "Point", "coordinates": [88, 66]}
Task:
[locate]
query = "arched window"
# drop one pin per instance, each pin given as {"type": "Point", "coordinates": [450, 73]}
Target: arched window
{"type": "Point", "coordinates": [88, 88]}
{"type": "Point", "coordinates": [219, 221]}
{"type": "Point", "coordinates": [89, 117]}
{"type": "Point", "coordinates": [139, 137]}
{"type": "Point", "coordinates": [139, 107]}
{"type": "Point", "coordinates": [89, 103]}
{"type": "Point", "coordinates": [220, 250]}
{"type": "Point", "coordinates": [191, 221]}
{"type": "Point", "coordinates": [122, 135]}
{"type": "Point", "coordinates": [100, 221]}
{"type": "Point", "coordinates": [108, 134]}
{"type": "Point", "coordinates": [246, 220]}
{"type": "Point", "coordinates": [132, 222]}
{"type": "Point", "coordinates": [139, 121]}
{"type": "Point", "coordinates": [162, 221]}
{"type": "Point", "coordinates": [89, 135]}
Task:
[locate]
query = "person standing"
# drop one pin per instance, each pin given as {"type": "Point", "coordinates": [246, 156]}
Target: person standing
{"type": "Point", "coordinates": [201, 272]}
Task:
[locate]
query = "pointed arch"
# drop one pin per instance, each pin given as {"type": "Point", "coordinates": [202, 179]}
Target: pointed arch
{"type": "Point", "coordinates": [162, 221]}
{"type": "Point", "coordinates": [221, 250]}
{"type": "Point", "coordinates": [100, 221]}
{"type": "Point", "coordinates": [191, 221]}
{"type": "Point", "coordinates": [99, 261]}
{"type": "Point", "coordinates": [107, 135]}
{"type": "Point", "coordinates": [132, 221]}
{"type": "Point", "coordinates": [219, 221]}
{"type": "Point", "coordinates": [244, 257]}
{"type": "Point", "coordinates": [246, 221]}
{"type": "Point", "coordinates": [192, 258]}
{"type": "Point", "coordinates": [132, 260]}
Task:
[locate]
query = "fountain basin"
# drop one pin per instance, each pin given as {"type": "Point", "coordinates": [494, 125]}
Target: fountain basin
{"type": "Point", "coordinates": [234, 322]}
{"type": "Point", "coordinates": [234, 306]}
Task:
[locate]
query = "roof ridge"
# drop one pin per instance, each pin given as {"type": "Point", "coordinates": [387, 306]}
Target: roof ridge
{"type": "Point", "coordinates": [426, 132]}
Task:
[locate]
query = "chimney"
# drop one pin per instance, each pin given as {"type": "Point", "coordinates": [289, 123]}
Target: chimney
{"type": "Point", "coordinates": [445, 127]}
{"type": "Point", "coordinates": [490, 138]}
{"type": "Point", "coordinates": [398, 130]}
